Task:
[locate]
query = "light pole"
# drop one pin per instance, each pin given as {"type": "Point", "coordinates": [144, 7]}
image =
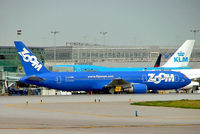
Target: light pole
{"type": "Point", "coordinates": [104, 37]}
{"type": "Point", "coordinates": [19, 32]}
{"type": "Point", "coordinates": [194, 31]}
{"type": "Point", "coordinates": [54, 35]}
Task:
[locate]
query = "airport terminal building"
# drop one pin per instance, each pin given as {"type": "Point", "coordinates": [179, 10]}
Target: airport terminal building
{"type": "Point", "coordinates": [83, 53]}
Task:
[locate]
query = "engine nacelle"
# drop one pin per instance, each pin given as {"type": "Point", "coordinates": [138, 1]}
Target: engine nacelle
{"type": "Point", "coordinates": [137, 89]}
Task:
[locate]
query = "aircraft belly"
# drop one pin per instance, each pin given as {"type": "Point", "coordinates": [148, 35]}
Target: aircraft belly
{"type": "Point", "coordinates": [78, 85]}
{"type": "Point", "coordinates": [163, 86]}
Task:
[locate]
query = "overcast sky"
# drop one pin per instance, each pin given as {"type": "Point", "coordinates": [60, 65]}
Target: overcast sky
{"type": "Point", "coordinates": [128, 22]}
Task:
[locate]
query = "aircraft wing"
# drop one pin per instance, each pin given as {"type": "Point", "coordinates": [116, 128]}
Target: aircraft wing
{"type": "Point", "coordinates": [192, 74]}
{"type": "Point", "coordinates": [194, 77]}
{"type": "Point", "coordinates": [119, 82]}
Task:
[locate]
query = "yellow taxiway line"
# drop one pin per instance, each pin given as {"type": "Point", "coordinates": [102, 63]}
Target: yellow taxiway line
{"type": "Point", "coordinates": [114, 126]}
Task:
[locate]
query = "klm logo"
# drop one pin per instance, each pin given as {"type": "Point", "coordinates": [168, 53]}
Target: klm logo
{"type": "Point", "coordinates": [160, 77]}
{"type": "Point", "coordinates": [181, 57]}
{"type": "Point", "coordinates": [32, 59]}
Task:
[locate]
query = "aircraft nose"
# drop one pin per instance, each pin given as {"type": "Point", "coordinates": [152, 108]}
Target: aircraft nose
{"type": "Point", "coordinates": [187, 80]}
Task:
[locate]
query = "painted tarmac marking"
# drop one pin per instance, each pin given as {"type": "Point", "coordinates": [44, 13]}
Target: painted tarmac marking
{"type": "Point", "coordinates": [89, 127]}
{"type": "Point", "coordinates": [89, 114]}
{"type": "Point", "coordinates": [58, 111]}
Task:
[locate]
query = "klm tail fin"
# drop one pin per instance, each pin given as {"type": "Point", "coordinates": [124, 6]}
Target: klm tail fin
{"type": "Point", "coordinates": [30, 63]}
{"type": "Point", "coordinates": [182, 56]}
{"type": "Point", "coordinates": [157, 64]}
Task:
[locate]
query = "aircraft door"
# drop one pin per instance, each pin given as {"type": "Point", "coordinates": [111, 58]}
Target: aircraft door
{"type": "Point", "coordinates": [144, 78]}
{"type": "Point", "coordinates": [59, 79]}
{"type": "Point", "coordinates": [176, 78]}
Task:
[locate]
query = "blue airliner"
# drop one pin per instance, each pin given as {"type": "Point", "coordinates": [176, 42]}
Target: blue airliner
{"type": "Point", "coordinates": [94, 68]}
{"type": "Point", "coordinates": [126, 81]}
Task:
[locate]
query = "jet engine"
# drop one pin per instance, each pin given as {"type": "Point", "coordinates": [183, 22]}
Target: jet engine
{"type": "Point", "coordinates": [137, 89]}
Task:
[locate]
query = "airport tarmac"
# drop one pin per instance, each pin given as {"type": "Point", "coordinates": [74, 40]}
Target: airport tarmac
{"type": "Point", "coordinates": [80, 114]}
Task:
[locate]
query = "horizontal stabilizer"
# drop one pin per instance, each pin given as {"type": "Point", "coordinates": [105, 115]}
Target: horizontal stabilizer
{"type": "Point", "coordinates": [34, 78]}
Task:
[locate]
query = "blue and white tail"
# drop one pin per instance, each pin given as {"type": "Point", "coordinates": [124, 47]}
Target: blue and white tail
{"type": "Point", "coordinates": [182, 56]}
{"type": "Point", "coordinates": [30, 63]}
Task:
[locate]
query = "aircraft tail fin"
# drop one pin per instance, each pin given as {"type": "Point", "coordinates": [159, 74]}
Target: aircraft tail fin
{"type": "Point", "coordinates": [182, 56]}
{"type": "Point", "coordinates": [157, 64]}
{"type": "Point", "coordinates": [29, 61]}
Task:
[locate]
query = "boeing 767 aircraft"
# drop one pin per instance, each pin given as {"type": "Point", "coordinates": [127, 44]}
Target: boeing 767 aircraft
{"type": "Point", "coordinates": [127, 81]}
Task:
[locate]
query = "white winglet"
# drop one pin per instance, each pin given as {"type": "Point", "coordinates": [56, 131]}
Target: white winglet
{"type": "Point", "coordinates": [182, 56]}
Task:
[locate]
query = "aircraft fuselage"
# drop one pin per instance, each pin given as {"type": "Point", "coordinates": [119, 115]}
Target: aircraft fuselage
{"type": "Point", "coordinates": [87, 81]}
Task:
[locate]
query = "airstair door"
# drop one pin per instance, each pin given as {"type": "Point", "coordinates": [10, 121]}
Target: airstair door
{"type": "Point", "coordinates": [59, 79]}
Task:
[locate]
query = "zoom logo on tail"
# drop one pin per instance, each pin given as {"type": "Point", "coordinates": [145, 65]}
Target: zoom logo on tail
{"type": "Point", "coordinates": [32, 59]}
{"type": "Point", "coordinates": [181, 57]}
{"type": "Point", "coordinates": [160, 77]}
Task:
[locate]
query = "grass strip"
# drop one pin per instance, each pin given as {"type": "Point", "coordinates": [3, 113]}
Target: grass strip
{"type": "Point", "coordinates": [192, 104]}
